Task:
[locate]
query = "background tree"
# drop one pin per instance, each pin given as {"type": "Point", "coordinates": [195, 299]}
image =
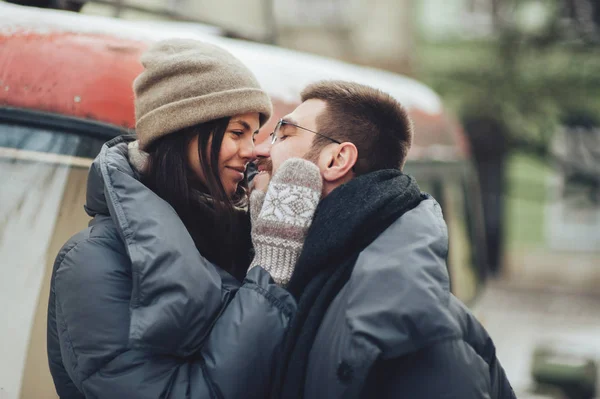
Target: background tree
{"type": "Point", "coordinates": [539, 71]}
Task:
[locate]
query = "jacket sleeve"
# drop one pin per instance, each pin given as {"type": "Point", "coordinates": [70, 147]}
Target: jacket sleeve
{"type": "Point", "coordinates": [235, 362]}
{"type": "Point", "coordinates": [449, 369]}
{"type": "Point", "coordinates": [92, 311]}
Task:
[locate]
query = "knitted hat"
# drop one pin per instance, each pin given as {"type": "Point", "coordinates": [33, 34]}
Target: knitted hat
{"type": "Point", "coordinates": [187, 82]}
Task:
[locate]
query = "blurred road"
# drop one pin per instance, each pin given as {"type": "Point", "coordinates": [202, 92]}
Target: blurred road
{"type": "Point", "coordinates": [520, 317]}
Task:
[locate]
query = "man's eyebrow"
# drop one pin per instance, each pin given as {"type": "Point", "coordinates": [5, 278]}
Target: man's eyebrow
{"type": "Point", "coordinates": [289, 120]}
{"type": "Point", "coordinates": [291, 123]}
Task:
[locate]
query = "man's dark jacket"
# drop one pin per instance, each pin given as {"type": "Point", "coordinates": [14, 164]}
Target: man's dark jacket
{"type": "Point", "coordinates": [394, 330]}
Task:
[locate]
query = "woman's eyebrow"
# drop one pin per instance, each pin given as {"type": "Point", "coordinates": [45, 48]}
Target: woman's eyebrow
{"type": "Point", "coordinates": [243, 123]}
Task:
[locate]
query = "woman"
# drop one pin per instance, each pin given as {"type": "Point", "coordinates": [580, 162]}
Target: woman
{"type": "Point", "coordinates": [147, 302]}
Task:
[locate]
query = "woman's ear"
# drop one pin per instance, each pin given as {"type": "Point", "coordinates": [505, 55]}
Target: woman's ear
{"type": "Point", "coordinates": [340, 162]}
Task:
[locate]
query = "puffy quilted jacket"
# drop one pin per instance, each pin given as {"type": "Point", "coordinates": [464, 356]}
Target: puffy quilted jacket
{"type": "Point", "coordinates": [136, 312]}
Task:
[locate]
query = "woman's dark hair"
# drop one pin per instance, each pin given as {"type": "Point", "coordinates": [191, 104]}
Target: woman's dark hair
{"type": "Point", "coordinates": [221, 234]}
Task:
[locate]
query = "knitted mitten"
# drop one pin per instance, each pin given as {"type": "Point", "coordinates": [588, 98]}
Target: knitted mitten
{"type": "Point", "coordinates": [280, 225]}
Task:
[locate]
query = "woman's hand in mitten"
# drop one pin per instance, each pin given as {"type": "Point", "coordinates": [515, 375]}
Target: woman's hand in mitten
{"type": "Point", "coordinates": [282, 216]}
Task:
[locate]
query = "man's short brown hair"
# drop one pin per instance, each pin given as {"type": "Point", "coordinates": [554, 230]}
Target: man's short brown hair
{"type": "Point", "coordinates": [372, 120]}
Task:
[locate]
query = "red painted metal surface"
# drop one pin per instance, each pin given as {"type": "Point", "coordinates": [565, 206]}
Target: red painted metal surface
{"type": "Point", "coordinates": [90, 76]}
{"type": "Point", "coordinates": [80, 75]}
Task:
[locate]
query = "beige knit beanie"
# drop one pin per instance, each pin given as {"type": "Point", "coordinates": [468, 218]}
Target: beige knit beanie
{"type": "Point", "coordinates": [187, 82]}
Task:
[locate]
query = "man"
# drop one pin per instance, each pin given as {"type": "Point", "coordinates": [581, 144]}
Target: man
{"type": "Point", "coordinates": [375, 316]}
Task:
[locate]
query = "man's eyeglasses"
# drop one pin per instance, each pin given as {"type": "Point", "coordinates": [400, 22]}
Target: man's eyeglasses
{"type": "Point", "coordinates": [281, 123]}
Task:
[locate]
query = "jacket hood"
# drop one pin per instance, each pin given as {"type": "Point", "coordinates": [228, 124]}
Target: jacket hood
{"type": "Point", "coordinates": [173, 285]}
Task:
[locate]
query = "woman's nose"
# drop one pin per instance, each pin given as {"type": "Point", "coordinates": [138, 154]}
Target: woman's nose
{"type": "Point", "coordinates": [247, 149]}
{"type": "Point", "coordinates": [263, 150]}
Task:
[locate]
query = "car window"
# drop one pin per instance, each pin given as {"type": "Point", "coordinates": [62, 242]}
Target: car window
{"type": "Point", "coordinates": [43, 175]}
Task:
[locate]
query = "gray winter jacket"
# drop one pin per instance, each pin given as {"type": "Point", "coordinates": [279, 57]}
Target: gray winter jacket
{"type": "Point", "coordinates": [395, 330]}
{"type": "Point", "coordinates": [136, 312]}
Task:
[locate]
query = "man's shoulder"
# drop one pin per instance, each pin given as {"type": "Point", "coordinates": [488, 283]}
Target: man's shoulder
{"type": "Point", "coordinates": [420, 228]}
{"type": "Point", "coordinates": [399, 289]}
{"type": "Point", "coordinates": [425, 218]}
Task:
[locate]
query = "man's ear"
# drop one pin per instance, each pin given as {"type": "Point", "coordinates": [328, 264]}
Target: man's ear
{"type": "Point", "coordinates": [339, 162]}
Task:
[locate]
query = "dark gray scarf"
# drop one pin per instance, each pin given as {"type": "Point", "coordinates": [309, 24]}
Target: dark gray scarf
{"type": "Point", "coordinates": [346, 221]}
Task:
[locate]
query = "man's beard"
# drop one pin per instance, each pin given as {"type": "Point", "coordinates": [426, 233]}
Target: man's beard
{"type": "Point", "coordinates": [312, 155]}
{"type": "Point", "coordinates": [264, 164]}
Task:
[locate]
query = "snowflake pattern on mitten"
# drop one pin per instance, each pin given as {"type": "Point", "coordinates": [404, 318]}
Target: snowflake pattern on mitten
{"type": "Point", "coordinates": [292, 205]}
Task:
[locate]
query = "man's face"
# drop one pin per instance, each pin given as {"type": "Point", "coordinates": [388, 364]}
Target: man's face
{"type": "Point", "coordinates": [293, 142]}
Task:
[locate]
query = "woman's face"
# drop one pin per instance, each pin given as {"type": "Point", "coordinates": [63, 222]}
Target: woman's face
{"type": "Point", "coordinates": [237, 150]}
